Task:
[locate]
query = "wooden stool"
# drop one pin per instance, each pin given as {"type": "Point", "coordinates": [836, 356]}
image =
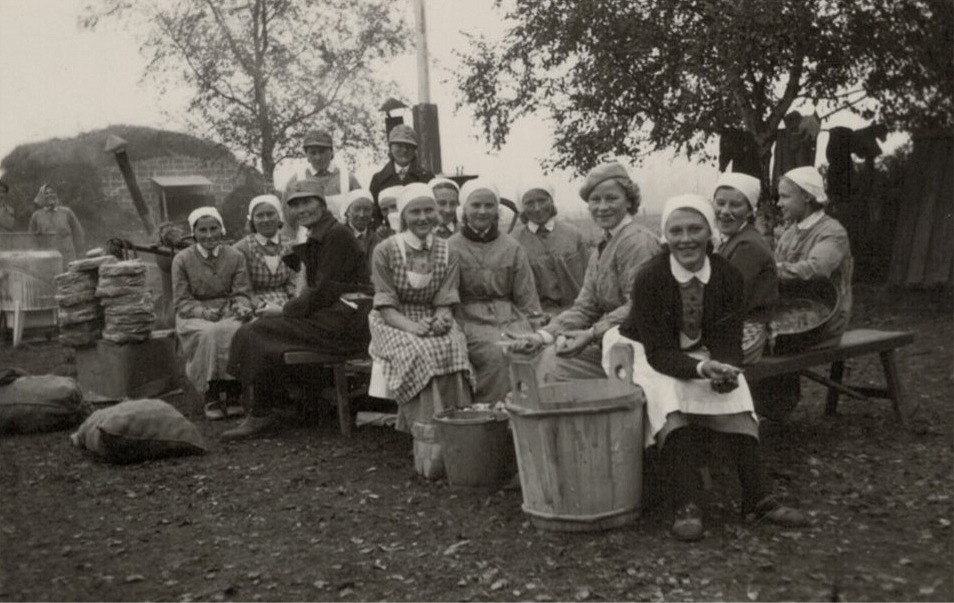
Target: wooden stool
{"type": "Point", "coordinates": [340, 371]}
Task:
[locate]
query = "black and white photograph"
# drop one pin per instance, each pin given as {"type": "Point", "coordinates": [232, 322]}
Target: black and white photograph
{"type": "Point", "coordinates": [476, 300]}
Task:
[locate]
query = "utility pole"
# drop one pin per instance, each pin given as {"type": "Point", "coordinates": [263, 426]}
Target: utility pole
{"type": "Point", "coordinates": [425, 113]}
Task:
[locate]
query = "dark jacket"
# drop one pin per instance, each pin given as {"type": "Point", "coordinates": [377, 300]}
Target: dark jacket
{"type": "Point", "coordinates": [388, 177]}
{"type": "Point", "coordinates": [334, 265]}
{"type": "Point", "coordinates": [748, 251]}
{"type": "Point", "coordinates": [656, 316]}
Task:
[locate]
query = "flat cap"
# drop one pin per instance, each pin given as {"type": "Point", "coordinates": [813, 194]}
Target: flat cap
{"type": "Point", "coordinates": [307, 187]}
{"type": "Point", "coordinates": [317, 138]}
{"type": "Point", "coordinates": [600, 173]}
{"type": "Point", "coordinates": [403, 133]}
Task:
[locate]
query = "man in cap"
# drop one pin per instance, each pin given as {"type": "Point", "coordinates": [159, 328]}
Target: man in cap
{"type": "Point", "coordinates": [403, 168]}
{"type": "Point", "coordinates": [319, 150]}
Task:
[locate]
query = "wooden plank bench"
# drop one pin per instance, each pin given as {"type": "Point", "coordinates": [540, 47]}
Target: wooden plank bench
{"type": "Point", "coordinates": [340, 371]}
{"type": "Point", "coordinates": [857, 342]}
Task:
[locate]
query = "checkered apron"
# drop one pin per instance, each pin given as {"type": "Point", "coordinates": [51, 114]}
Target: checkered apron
{"type": "Point", "coordinates": [274, 287]}
{"type": "Point", "coordinates": [409, 361]}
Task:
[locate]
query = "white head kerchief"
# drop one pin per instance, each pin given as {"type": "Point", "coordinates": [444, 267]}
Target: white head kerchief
{"type": "Point", "coordinates": [270, 199]}
{"type": "Point", "coordinates": [809, 180]}
{"type": "Point", "coordinates": [534, 184]}
{"type": "Point", "coordinates": [749, 186]}
{"type": "Point", "coordinates": [350, 198]}
{"type": "Point", "coordinates": [690, 201]}
{"type": "Point", "coordinates": [205, 212]}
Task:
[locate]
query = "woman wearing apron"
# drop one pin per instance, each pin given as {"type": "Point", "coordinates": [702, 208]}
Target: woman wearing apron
{"type": "Point", "coordinates": [416, 346]}
{"type": "Point", "coordinates": [497, 296]}
{"type": "Point", "coordinates": [273, 282]}
{"type": "Point", "coordinates": [685, 329]}
{"type": "Point", "coordinates": [556, 249]}
{"type": "Point", "coordinates": [735, 199]}
{"type": "Point", "coordinates": [54, 219]}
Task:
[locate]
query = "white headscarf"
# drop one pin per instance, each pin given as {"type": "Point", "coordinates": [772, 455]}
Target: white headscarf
{"type": "Point", "coordinates": [440, 180]}
{"type": "Point", "coordinates": [410, 192]}
{"type": "Point", "coordinates": [472, 186]}
{"type": "Point", "coordinates": [690, 201]}
{"type": "Point", "coordinates": [749, 186]}
{"type": "Point", "coordinates": [360, 193]}
{"type": "Point", "coordinates": [391, 192]}
{"type": "Point", "coordinates": [271, 200]}
{"type": "Point", "coordinates": [809, 180]}
{"type": "Point", "coordinates": [205, 212]}
{"type": "Point", "coordinates": [534, 184]}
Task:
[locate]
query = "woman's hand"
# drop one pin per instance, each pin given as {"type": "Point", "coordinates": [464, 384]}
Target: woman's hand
{"type": "Point", "coordinates": [526, 343]}
{"type": "Point", "coordinates": [211, 315]}
{"type": "Point", "coordinates": [571, 343]}
{"type": "Point", "coordinates": [442, 321]}
{"type": "Point", "coordinates": [722, 377]}
{"type": "Point", "coordinates": [268, 309]}
{"type": "Point", "coordinates": [421, 328]}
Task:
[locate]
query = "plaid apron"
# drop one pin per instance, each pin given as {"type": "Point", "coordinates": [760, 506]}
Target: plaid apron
{"type": "Point", "coordinates": [267, 286]}
{"type": "Point", "coordinates": [409, 361]}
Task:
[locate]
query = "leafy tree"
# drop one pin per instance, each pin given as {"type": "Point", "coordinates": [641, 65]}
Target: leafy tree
{"type": "Point", "coordinates": [628, 77]}
{"type": "Point", "coordinates": [264, 71]}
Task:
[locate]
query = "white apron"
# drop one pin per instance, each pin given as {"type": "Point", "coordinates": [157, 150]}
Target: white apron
{"type": "Point", "coordinates": [665, 394]}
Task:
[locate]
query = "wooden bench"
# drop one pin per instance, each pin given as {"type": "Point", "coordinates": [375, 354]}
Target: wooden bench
{"type": "Point", "coordinates": [858, 342]}
{"type": "Point", "coordinates": [340, 371]}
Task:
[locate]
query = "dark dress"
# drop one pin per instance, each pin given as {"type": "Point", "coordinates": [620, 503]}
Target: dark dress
{"type": "Point", "coordinates": [317, 320]}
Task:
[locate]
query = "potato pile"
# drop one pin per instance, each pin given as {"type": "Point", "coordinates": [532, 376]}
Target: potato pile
{"type": "Point", "coordinates": [128, 305]}
{"type": "Point", "coordinates": [80, 315]}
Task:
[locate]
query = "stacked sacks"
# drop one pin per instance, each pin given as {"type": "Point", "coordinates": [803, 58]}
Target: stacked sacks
{"type": "Point", "coordinates": [128, 304]}
{"type": "Point", "coordinates": [79, 315]}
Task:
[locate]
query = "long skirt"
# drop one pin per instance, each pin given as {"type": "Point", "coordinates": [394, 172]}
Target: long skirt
{"type": "Point", "coordinates": [336, 333]}
{"type": "Point", "coordinates": [205, 346]}
{"type": "Point", "coordinates": [672, 403]}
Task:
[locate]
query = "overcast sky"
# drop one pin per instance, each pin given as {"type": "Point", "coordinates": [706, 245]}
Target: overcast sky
{"type": "Point", "coordinates": [59, 81]}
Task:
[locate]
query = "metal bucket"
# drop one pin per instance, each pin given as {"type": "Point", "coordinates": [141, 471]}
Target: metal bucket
{"type": "Point", "coordinates": [477, 447]}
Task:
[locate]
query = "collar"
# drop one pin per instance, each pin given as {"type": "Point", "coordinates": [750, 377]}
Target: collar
{"type": "Point", "coordinates": [313, 174]}
{"type": "Point", "coordinates": [623, 224]}
{"type": "Point", "coordinates": [415, 243]}
{"type": "Point", "coordinates": [358, 233]}
{"type": "Point", "coordinates": [449, 226]}
{"type": "Point", "coordinates": [809, 221]}
{"type": "Point", "coordinates": [205, 252]}
{"type": "Point", "coordinates": [683, 276]}
{"type": "Point", "coordinates": [263, 241]}
{"type": "Point", "coordinates": [546, 226]}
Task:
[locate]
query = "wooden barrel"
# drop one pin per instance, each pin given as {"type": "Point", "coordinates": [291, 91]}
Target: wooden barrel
{"type": "Point", "coordinates": [579, 453]}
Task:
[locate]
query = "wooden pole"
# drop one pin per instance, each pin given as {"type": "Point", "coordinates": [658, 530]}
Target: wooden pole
{"type": "Point", "coordinates": [423, 74]}
{"type": "Point", "coordinates": [117, 146]}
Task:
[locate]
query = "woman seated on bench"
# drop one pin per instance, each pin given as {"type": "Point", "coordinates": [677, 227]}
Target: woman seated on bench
{"type": "Point", "coordinates": [735, 200]}
{"type": "Point", "coordinates": [323, 318]}
{"type": "Point", "coordinates": [685, 328]}
{"type": "Point", "coordinates": [273, 282]}
{"type": "Point", "coordinates": [497, 293]}
{"type": "Point", "coordinates": [415, 342]}
{"type": "Point", "coordinates": [211, 297]}
{"type": "Point", "coordinates": [815, 246]}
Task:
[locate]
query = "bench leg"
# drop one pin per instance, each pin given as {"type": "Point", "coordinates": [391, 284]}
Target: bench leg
{"type": "Point", "coordinates": [344, 402]}
{"type": "Point", "coordinates": [836, 374]}
{"type": "Point", "coordinates": [891, 376]}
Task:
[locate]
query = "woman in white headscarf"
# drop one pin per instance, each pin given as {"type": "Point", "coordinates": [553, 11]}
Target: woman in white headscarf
{"type": "Point", "coordinates": [418, 349]}
{"type": "Point", "coordinates": [272, 281]}
{"type": "Point", "coordinates": [497, 293]}
{"type": "Point", "coordinates": [735, 200]}
{"type": "Point", "coordinates": [557, 250]}
{"type": "Point", "coordinates": [815, 245]}
{"type": "Point", "coordinates": [685, 330]}
{"type": "Point", "coordinates": [211, 294]}
{"type": "Point", "coordinates": [52, 218]}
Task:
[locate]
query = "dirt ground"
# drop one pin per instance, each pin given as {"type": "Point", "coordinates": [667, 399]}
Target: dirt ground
{"type": "Point", "coordinates": [307, 515]}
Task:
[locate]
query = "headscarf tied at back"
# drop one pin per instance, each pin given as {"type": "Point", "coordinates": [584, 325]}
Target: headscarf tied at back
{"type": "Point", "coordinates": [532, 185]}
{"type": "Point", "coordinates": [694, 202]}
{"type": "Point", "coordinates": [410, 192]}
{"type": "Point", "coordinates": [443, 182]}
{"type": "Point", "coordinates": [205, 212]}
{"type": "Point", "coordinates": [809, 180]}
{"type": "Point", "coordinates": [472, 186]}
{"type": "Point", "coordinates": [350, 198]}
{"type": "Point", "coordinates": [749, 186]}
{"type": "Point", "coordinates": [269, 199]}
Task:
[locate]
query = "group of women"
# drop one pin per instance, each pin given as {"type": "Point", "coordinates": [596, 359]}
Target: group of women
{"type": "Point", "coordinates": [694, 306]}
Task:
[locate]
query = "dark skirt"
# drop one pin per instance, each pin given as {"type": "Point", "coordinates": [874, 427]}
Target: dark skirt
{"type": "Point", "coordinates": [336, 333]}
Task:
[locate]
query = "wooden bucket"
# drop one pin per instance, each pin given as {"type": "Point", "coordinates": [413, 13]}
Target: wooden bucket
{"type": "Point", "coordinates": [579, 450]}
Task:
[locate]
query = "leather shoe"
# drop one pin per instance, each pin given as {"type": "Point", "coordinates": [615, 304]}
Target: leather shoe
{"type": "Point", "coordinates": [771, 511]}
{"type": "Point", "coordinates": [687, 525]}
{"type": "Point", "coordinates": [249, 428]}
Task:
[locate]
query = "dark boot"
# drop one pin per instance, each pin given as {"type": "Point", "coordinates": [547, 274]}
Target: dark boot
{"type": "Point", "coordinates": [681, 458]}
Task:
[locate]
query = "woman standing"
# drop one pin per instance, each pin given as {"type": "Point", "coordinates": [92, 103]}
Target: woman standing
{"type": "Point", "coordinates": [211, 294]}
{"type": "Point", "coordinates": [685, 328]}
{"type": "Point", "coordinates": [497, 295]}
{"type": "Point", "coordinates": [273, 283]}
{"type": "Point", "coordinates": [612, 199]}
{"type": "Point", "coordinates": [325, 317]}
{"type": "Point", "coordinates": [735, 200]}
{"type": "Point", "coordinates": [556, 249]}
{"type": "Point", "coordinates": [51, 218]}
{"type": "Point", "coordinates": [415, 343]}
{"type": "Point", "coordinates": [815, 246]}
